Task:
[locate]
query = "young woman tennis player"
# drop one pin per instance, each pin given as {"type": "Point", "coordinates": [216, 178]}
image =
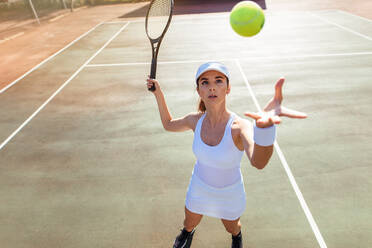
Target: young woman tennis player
{"type": "Point", "coordinates": [216, 187]}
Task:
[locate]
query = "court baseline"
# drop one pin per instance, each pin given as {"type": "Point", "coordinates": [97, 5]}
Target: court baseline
{"type": "Point", "coordinates": [342, 27]}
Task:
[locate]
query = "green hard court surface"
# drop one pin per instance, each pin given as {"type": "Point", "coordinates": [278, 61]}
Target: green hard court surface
{"type": "Point", "coordinates": [85, 162]}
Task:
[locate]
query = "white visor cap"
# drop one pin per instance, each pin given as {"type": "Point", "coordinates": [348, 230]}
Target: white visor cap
{"type": "Point", "coordinates": [212, 66]}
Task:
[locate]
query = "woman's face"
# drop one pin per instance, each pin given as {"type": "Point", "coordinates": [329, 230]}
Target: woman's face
{"type": "Point", "coordinates": [212, 87]}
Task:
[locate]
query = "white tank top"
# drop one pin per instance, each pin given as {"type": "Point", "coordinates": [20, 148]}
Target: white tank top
{"type": "Point", "coordinates": [217, 166]}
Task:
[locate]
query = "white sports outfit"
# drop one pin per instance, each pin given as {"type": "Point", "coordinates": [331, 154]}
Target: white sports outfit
{"type": "Point", "coordinates": [216, 187]}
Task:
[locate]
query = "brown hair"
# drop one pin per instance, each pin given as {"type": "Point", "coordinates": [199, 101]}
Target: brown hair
{"type": "Point", "coordinates": [201, 105]}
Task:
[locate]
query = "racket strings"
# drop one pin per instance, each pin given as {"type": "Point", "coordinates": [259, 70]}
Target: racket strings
{"type": "Point", "coordinates": [157, 17]}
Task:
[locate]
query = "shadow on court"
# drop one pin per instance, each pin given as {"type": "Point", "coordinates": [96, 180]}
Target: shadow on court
{"type": "Point", "coordinates": [195, 7]}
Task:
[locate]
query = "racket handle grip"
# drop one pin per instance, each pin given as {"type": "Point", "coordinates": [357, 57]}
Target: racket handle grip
{"type": "Point", "coordinates": [153, 73]}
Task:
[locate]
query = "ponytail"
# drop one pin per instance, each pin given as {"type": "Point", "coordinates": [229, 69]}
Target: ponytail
{"type": "Point", "coordinates": [201, 106]}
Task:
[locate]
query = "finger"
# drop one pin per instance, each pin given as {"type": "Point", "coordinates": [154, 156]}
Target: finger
{"type": "Point", "coordinates": [275, 119]}
{"type": "Point", "coordinates": [153, 82]}
{"type": "Point", "coordinates": [268, 121]}
{"type": "Point", "coordinates": [278, 90]}
{"type": "Point", "coordinates": [292, 113]}
{"type": "Point", "coordinates": [253, 115]}
{"type": "Point", "coordinates": [278, 96]}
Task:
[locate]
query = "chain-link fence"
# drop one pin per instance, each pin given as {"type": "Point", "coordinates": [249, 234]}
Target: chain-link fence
{"type": "Point", "coordinates": [27, 9]}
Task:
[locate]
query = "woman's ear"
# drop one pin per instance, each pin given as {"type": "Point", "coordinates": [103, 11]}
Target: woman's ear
{"type": "Point", "coordinates": [228, 89]}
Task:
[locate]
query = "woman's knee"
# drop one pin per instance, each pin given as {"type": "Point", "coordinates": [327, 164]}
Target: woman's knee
{"type": "Point", "coordinates": [191, 219]}
{"type": "Point", "coordinates": [232, 227]}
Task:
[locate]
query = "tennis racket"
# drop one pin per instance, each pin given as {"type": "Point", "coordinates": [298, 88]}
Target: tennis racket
{"type": "Point", "coordinates": [158, 18]}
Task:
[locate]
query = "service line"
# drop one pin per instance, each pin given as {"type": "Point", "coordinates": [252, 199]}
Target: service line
{"type": "Point", "coordinates": [47, 59]}
{"type": "Point", "coordinates": [233, 59]}
{"type": "Point", "coordinates": [60, 88]}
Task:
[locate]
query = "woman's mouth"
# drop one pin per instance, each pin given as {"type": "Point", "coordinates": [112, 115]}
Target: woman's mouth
{"type": "Point", "coordinates": [212, 96]}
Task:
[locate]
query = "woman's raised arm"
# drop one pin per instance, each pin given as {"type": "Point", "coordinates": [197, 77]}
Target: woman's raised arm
{"type": "Point", "coordinates": [173, 125]}
{"type": "Point", "coordinates": [264, 129]}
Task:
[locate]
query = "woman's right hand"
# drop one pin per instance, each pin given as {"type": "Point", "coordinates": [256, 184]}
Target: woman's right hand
{"type": "Point", "coordinates": [152, 82]}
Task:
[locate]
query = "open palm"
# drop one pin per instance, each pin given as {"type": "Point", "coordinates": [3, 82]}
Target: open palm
{"type": "Point", "coordinates": [274, 109]}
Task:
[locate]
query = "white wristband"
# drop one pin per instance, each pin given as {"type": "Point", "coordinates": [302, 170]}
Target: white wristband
{"type": "Point", "coordinates": [264, 136]}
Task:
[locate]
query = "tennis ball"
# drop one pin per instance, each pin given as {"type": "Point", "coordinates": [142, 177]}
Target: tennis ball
{"type": "Point", "coordinates": [247, 18]}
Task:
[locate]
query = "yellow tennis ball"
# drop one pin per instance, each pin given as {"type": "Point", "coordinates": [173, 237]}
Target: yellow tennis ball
{"type": "Point", "coordinates": [247, 18]}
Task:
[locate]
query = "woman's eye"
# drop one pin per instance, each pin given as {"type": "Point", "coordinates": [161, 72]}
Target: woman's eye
{"type": "Point", "coordinates": [219, 81]}
{"type": "Point", "coordinates": [204, 82]}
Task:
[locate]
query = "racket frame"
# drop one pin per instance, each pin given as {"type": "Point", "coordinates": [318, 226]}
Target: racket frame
{"type": "Point", "coordinates": [155, 43]}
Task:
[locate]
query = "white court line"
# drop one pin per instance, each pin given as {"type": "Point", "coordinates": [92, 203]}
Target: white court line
{"type": "Point", "coordinates": [180, 22]}
{"type": "Point", "coordinates": [57, 17]}
{"type": "Point", "coordinates": [159, 62]}
{"type": "Point", "coordinates": [342, 27]}
{"type": "Point", "coordinates": [351, 14]}
{"type": "Point", "coordinates": [60, 88]}
{"type": "Point", "coordinates": [218, 16]}
{"type": "Point", "coordinates": [47, 59]}
{"type": "Point", "coordinates": [12, 37]}
{"type": "Point", "coordinates": [116, 22]}
{"type": "Point", "coordinates": [232, 59]}
{"type": "Point", "coordinates": [295, 187]}
{"type": "Point", "coordinates": [78, 9]}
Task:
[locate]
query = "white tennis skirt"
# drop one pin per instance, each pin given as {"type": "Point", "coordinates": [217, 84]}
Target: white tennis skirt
{"type": "Point", "coordinates": [225, 203]}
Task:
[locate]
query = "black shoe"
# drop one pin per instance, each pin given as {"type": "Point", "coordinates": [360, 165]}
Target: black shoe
{"type": "Point", "coordinates": [184, 239]}
{"type": "Point", "coordinates": [237, 241]}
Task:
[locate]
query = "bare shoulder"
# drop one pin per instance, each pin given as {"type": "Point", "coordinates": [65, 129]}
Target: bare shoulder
{"type": "Point", "coordinates": [192, 119]}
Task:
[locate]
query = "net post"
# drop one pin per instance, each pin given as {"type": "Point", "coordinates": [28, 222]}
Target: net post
{"type": "Point", "coordinates": [64, 4]}
{"type": "Point", "coordinates": [34, 11]}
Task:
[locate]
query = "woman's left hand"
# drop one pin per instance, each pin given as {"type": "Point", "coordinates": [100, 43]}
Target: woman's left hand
{"type": "Point", "coordinates": [274, 109]}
